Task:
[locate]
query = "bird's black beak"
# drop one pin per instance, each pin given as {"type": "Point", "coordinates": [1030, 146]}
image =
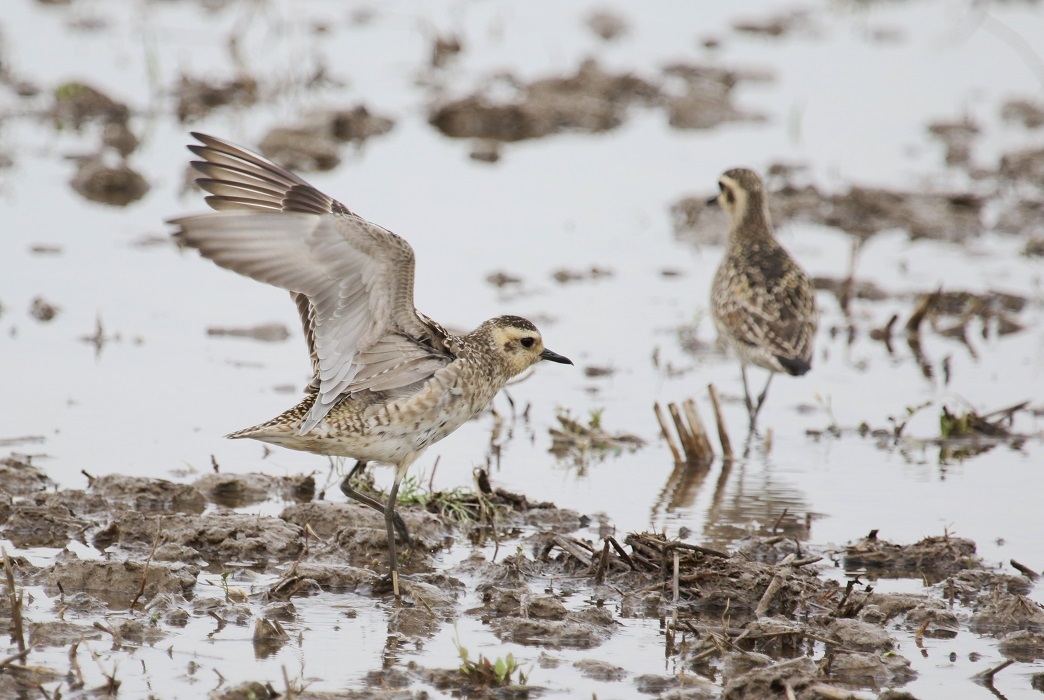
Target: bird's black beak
{"type": "Point", "coordinates": [712, 201]}
{"type": "Point", "coordinates": [546, 354]}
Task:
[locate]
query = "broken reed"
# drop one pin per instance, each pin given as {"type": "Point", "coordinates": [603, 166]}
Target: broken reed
{"type": "Point", "coordinates": [692, 436]}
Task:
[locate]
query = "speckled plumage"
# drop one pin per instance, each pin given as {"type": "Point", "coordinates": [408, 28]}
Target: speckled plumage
{"type": "Point", "coordinates": [387, 381]}
{"type": "Point", "coordinates": [394, 426]}
{"type": "Point", "coordinates": [762, 302]}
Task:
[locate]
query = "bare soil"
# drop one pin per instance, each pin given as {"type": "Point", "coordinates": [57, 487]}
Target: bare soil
{"type": "Point", "coordinates": [155, 537]}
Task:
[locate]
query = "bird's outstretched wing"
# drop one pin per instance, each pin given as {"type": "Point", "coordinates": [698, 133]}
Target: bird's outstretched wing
{"type": "Point", "coordinates": [352, 281]}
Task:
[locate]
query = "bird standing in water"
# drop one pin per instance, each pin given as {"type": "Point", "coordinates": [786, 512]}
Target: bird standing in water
{"type": "Point", "coordinates": [763, 303]}
{"type": "Point", "coordinates": [387, 381]}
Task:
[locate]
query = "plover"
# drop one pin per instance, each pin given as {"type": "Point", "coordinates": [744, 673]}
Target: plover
{"type": "Point", "coordinates": [387, 381]}
{"type": "Point", "coordinates": [763, 303]}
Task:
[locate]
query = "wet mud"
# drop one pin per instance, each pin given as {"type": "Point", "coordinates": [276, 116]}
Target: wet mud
{"type": "Point", "coordinates": [742, 621]}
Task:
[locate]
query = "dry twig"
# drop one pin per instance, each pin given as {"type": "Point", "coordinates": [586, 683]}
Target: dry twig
{"type": "Point", "coordinates": [766, 600]}
{"type": "Point", "coordinates": [1025, 570]}
{"type": "Point", "coordinates": [148, 561]}
{"type": "Point", "coordinates": [15, 602]}
{"type": "Point", "coordinates": [723, 432]}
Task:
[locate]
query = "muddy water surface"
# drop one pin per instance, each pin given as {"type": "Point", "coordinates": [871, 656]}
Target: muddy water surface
{"type": "Point", "coordinates": [547, 171]}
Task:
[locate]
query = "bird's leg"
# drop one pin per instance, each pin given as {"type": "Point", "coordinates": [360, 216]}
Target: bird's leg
{"type": "Point", "coordinates": [389, 523]}
{"type": "Point", "coordinates": [752, 411]}
{"type": "Point", "coordinates": [360, 466]}
{"type": "Point", "coordinates": [347, 490]}
{"type": "Point", "coordinates": [761, 400]}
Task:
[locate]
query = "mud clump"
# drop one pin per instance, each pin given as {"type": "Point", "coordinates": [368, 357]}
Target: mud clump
{"type": "Point", "coordinates": [219, 536]}
{"type": "Point", "coordinates": [1026, 165]}
{"type": "Point", "coordinates": [116, 185]}
{"type": "Point", "coordinates": [1002, 611]}
{"type": "Point", "coordinates": [871, 670]}
{"type": "Point", "coordinates": [797, 674]}
{"type": "Point", "coordinates": [239, 490]}
{"type": "Point", "coordinates": [76, 104]}
{"type": "Point", "coordinates": [42, 310]}
{"type": "Point", "coordinates": [1024, 217]}
{"type": "Point", "coordinates": [933, 558]}
{"type": "Point", "coordinates": [607, 25]}
{"type": "Point", "coordinates": [705, 99]}
{"type": "Point", "coordinates": [958, 138]}
{"type": "Point", "coordinates": [591, 100]}
{"type": "Point", "coordinates": [915, 612]}
{"type": "Point", "coordinates": [584, 630]}
{"type": "Point", "coordinates": [59, 633]}
{"type": "Point", "coordinates": [444, 49]}
{"type": "Point", "coordinates": [248, 690]}
{"type": "Point", "coordinates": [197, 97]}
{"type": "Point", "coordinates": [18, 477]}
{"type": "Point", "coordinates": [120, 580]}
{"type": "Point", "coordinates": [600, 670]}
{"type": "Point", "coordinates": [314, 143]}
{"type": "Point", "coordinates": [861, 636]}
{"type": "Point", "coordinates": [266, 332]}
{"type": "Point", "coordinates": [43, 524]}
{"type": "Point", "coordinates": [150, 495]}
{"type": "Point", "coordinates": [862, 211]}
{"type": "Point", "coordinates": [777, 26]}
{"type": "Point", "coordinates": [1025, 112]}
{"type": "Point", "coordinates": [1023, 645]}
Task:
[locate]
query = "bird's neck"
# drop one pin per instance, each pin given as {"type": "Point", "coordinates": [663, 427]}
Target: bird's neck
{"type": "Point", "coordinates": [754, 225]}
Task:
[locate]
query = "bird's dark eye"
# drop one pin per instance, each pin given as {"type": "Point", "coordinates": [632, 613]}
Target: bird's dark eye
{"type": "Point", "coordinates": [527, 342]}
{"type": "Point", "coordinates": [729, 197]}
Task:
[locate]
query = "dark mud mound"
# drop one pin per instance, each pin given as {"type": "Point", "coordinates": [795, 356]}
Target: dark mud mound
{"type": "Point", "coordinates": [932, 558]}
{"type": "Point", "coordinates": [741, 624]}
{"type": "Point", "coordinates": [590, 100]}
{"type": "Point", "coordinates": [705, 98]}
{"type": "Point", "coordinates": [240, 490]}
{"type": "Point", "coordinates": [314, 142]}
{"type": "Point", "coordinates": [861, 211]}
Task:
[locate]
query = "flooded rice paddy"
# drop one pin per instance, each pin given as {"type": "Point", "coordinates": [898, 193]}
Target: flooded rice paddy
{"type": "Point", "coordinates": [880, 535]}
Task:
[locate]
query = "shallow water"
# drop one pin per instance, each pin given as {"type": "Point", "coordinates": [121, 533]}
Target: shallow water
{"type": "Point", "coordinates": [853, 93]}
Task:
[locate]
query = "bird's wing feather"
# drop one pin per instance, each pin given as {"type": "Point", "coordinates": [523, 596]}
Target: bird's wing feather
{"type": "Point", "coordinates": [241, 180]}
{"type": "Point", "coordinates": [781, 319]}
{"type": "Point", "coordinates": [356, 276]}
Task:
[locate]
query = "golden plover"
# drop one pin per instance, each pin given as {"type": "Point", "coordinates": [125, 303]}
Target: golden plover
{"type": "Point", "coordinates": [763, 303]}
{"type": "Point", "coordinates": [387, 381]}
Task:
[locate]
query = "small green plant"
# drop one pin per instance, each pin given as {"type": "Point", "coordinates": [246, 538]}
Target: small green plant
{"type": "Point", "coordinates": [232, 595]}
{"type": "Point", "coordinates": [412, 492]}
{"type": "Point", "coordinates": [493, 674]}
{"type": "Point", "coordinates": [955, 425]}
{"type": "Point", "coordinates": [460, 504]}
{"type": "Point", "coordinates": [595, 421]}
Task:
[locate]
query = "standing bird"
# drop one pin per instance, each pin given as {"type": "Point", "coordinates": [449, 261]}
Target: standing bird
{"type": "Point", "coordinates": [763, 303]}
{"type": "Point", "coordinates": [387, 381]}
